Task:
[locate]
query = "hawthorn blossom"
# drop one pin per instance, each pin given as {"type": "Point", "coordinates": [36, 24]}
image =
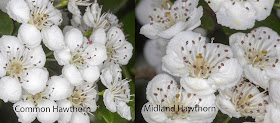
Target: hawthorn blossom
{"type": "Point", "coordinates": [243, 100]}
{"type": "Point", "coordinates": [258, 53]}
{"type": "Point", "coordinates": [273, 113]}
{"type": "Point", "coordinates": [43, 116]}
{"type": "Point", "coordinates": [203, 67]}
{"type": "Point", "coordinates": [84, 96]}
{"type": "Point", "coordinates": [36, 16]}
{"type": "Point", "coordinates": [81, 57]}
{"type": "Point", "coordinates": [144, 7]}
{"type": "Point", "coordinates": [117, 93]}
{"type": "Point", "coordinates": [166, 23]}
{"type": "Point", "coordinates": [240, 15]}
{"type": "Point", "coordinates": [20, 67]}
{"type": "Point", "coordinates": [119, 50]}
{"type": "Point", "coordinates": [163, 90]}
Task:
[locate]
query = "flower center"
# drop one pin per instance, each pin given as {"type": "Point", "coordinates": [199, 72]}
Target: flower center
{"type": "Point", "coordinates": [257, 58]}
{"type": "Point", "coordinates": [39, 20]}
{"type": "Point", "coordinates": [15, 68]}
{"type": "Point", "coordinates": [77, 98]}
{"type": "Point", "coordinates": [200, 67]}
{"type": "Point", "coordinates": [77, 59]}
{"type": "Point", "coordinates": [37, 98]}
{"type": "Point", "coordinates": [110, 52]}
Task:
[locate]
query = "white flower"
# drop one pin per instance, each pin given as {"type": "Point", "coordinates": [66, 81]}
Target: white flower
{"type": "Point", "coordinates": [145, 7]}
{"type": "Point", "coordinates": [73, 6]}
{"type": "Point", "coordinates": [243, 100]}
{"type": "Point", "coordinates": [258, 52]}
{"type": "Point", "coordinates": [273, 113]}
{"type": "Point", "coordinates": [240, 15]}
{"type": "Point", "coordinates": [84, 96]}
{"type": "Point", "coordinates": [119, 51]}
{"type": "Point", "coordinates": [81, 57]}
{"type": "Point", "coordinates": [36, 16]}
{"type": "Point", "coordinates": [166, 23]}
{"type": "Point", "coordinates": [78, 22]}
{"type": "Point", "coordinates": [94, 18]}
{"type": "Point", "coordinates": [274, 92]}
{"type": "Point", "coordinates": [37, 105]}
{"type": "Point", "coordinates": [117, 93]}
{"type": "Point", "coordinates": [163, 90]}
{"type": "Point", "coordinates": [203, 67]}
{"type": "Point", "coordinates": [20, 67]}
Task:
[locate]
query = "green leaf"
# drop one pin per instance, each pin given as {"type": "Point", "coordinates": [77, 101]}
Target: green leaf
{"type": "Point", "coordinates": [6, 24]}
{"type": "Point", "coordinates": [103, 113]}
{"type": "Point", "coordinates": [207, 22]}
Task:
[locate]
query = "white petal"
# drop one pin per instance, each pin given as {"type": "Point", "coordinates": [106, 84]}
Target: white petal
{"type": "Point", "coordinates": [242, 19]}
{"type": "Point", "coordinates": [66, 116]}
{"type": "Point", "coordinates": [66, 29]}
{"type": "Point", "coordinates": [229, 75]}
{"type": "Point", "coordinates": [38, 57]}
{"type": "Point", "coordinates": [108, 99]}
{"type": "Point", "coordinates": [238, 52]}
{"type": "Point", "coordinates": [215, 4]}
{"type": "Point", "coordinates": [90, 74]}
{"type": "Point", "coordinates": [151, 116]}
{"type": "Point", "coordinates": [49, 116]}
{"type": "Point", "coordinates": [63, 56]}
{"type": "Point", "coordinates": [273, 72]}
{"type": "Point", "coordinates": [35, 80]}
{"type": "Point", "coordinates": [144, 8]}
{"type": "Point", "coordinates": [25, 116]}
{"type": "Point", "coordinates": [18, 10]}
{"type": "Point", "coordinates": [3, 62]}
{"type": "Point", "coordinates": [273, 113]}
{"type": "Point", "coordinates": [263, 8]}
{"type": "Point", "coordinates": [98, 36]}
{"type": "Point", "coordinates": [53, 38]}
{"type": "Point", "coordinates": [29, 35]}
{"type": "Point", "coordinates": [73, 8]}
{"type": "Point", "coordinates": [124, 110]}
{"type": "Point", "coordinates": [58, 88]}
{"type": "Point", "coordinates": [73, 39]}
{"type": "Point", "coordinates": [226, 107]}
{"type": "Point", "coordinates": [256, 75]}
{"type": "Point", "coordinates": [91, 103]}
{"type": "Point", "coordinates": [10, 45]}
{"type": "Point", "coordinates": [97, 54]}
{"type": "Point", "coordinates": [149, 31]}
{"type": "Point", "coordinates": [72, 74]}
{"type": "Point", "coordinates": [115, 35]}
{"type": "Point", "coordinates": [198, 85]}
{"type": "Point", "coordinates": [80, 117]}
{"type": "Point", "coordinates": [10, 89]}
{"type": "Point", "coordinates": [274, 92]}
{"type": "Point", "coordinates": [172, 31]}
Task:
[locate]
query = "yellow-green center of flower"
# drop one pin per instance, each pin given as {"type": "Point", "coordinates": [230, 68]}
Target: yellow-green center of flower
{"type": "Point", "coordinates": [15, 68]}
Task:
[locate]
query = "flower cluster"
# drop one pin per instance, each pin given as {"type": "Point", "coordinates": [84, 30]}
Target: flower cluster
{"type": "Point", "coordinates": [240, 80]}
{"type": "Point", "coordinates": [91, 51]}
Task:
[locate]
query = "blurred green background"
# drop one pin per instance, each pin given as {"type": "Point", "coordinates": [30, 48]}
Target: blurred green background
{"type": "Point", "coordinates": [124, 10]}
{"type": "Point", "coordinates": [144, 72]}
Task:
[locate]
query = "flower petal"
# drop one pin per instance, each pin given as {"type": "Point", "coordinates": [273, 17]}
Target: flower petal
{"type": "Point", "coordinates": [3, 62]}
{"type": "Point", "coordinates": [38, 57]}
{"type": "Point", "coordinates": [256, 76]}
{"type": "Point", "coordinates": [10, 89]}
{"type": "Point", "coordinates": [74, 39]}
{"type": "Point", "coordinates": [96, 54]}
{"type": "Point", "coordinates": [151, 116]}
{"type": "Point", "coordinates": [124, 110]}
{"type": "Point", "coordinates": [65, 116]}
{"type": "Point", "coordinates": [63, 56]}
{"type": "Point", "coordinates": [10, 45]}
{"type": "Point", "coordinates": [149, 31]}
{"type": "Point", "coordinates": [29, 35]}
{"type": "Point", "coordinates": [49, 116]}
{"type": "Point", "coordinates": [108, 99]}
{"type": "Point", "coordinates": [198, 85]}
{"type": "Point", "coordinates": [80, 117]}
{"type": "Point", "coordinates": [274, 92]}
{"type": "Point", "coordinates": [72, 74]}
{"type": "Point", "coordinates": [109, 74]}
{"type": "Point", "coordinates": [58, 88]}
{"type": "Point", "coordinates": [18, 10]}
{"type": "Point", "coordinates": [98, 36]}
{"type": "Point", "coordinates": [53, 38]}
{"type": "Point", "coordinates": [227, 107]}
{"type": "Point", "coordinates": [90, 74]}
{"type": "Point", "coordinates": [35, 80]}
{"type": "Point", "coordinates": [25, 116]}
{"type": "Point", "coordinates": [3, 5]}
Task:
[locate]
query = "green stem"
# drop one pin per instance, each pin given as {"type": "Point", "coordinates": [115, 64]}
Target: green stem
{"type": "Point", "coordinates": [101, 93]}
{"type": "Point", "coordinates": [62, 4]}
{"type": "Point", "coordinates": [126, 72]}
{"type": "Point", "coordinates": [226, 120]}
{"type": "Point", "coordinates": [51, 59]}
{"type": "Point", "coordinates": [50, 53]}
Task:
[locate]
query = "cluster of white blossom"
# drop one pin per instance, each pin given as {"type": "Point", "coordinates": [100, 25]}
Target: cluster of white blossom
{"type": "Point", "coordinates": [25, 81]}
{"type": "Point", "coordinates": [240, 80]}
